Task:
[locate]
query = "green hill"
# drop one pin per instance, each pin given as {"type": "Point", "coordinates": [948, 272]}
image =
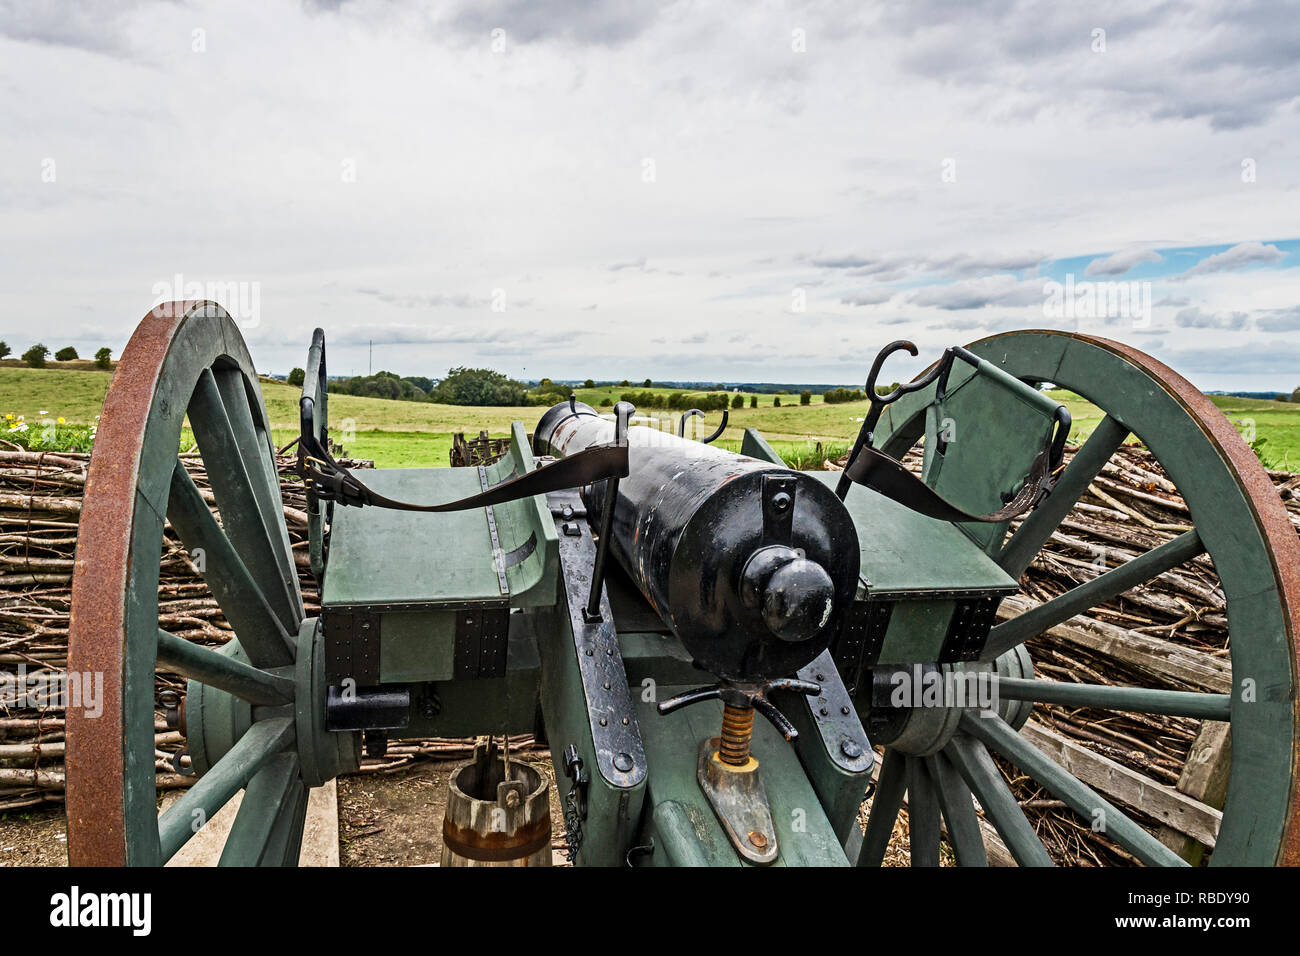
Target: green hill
{"type": "Point", "coordinates": [407, 434]}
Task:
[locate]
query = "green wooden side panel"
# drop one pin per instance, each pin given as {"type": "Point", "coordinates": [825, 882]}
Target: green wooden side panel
{"type": "Point", "coordinates": [492, 705]}
{"type": "Point", "coordinates": [658, 659]}
{"type": "Point", "coordinates": [678, 815]}
{"type": "Point", "coordinates": [392, 557]}
{"type": "Point", "coordinates": [916, 632]}
{"type": "Point", "coordinates": [613, 812]}
{"type": "Point", "coordinates": [995, 426]}
{"type": "Point", "coordinates": [417, 646]}
{"type": "Point", "coordinates": [755, 446]}
{"type": "Point", "coordinates": [404, 557]}
{"type": "Point", "coordinates": [907, 554]}
{"type": "Point", "coordinates": [840, 791]}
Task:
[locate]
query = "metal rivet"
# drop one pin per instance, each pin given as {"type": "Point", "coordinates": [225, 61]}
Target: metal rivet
{"type": "Point", "coordinates": [850, 748]}
{"type": "Point", "coordinates": [604, 721]}
{"type": "Point", "coordinates": [824, 712]}
{"type": "Point", "coordinates": [844, 710]}
{"type": "Point", "coordinates": [623, 763]}
{"type": "Point", "coordinates": [757, 840]}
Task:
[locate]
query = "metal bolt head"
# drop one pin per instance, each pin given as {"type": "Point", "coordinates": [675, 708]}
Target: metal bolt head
{"type": "Point", "coordinates": [850, 748]}
{"type": "Point", "coordinates": [757, 840]}
{"type": "Point", "coordinates": [512, 799]}
{"type": "Point", "coordinates": [781, 502]}
{"type": "Point", "coordinates": [623, 763]}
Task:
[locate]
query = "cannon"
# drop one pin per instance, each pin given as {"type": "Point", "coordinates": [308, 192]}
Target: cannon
{"type": "Point", "coordinates": [636, 599]}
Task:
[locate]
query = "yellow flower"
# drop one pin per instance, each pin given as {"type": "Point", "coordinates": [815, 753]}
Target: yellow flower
{"type": "Point", "coordinates": [9, 417]}
{"type": "Point", "coordinates": [62, 421]}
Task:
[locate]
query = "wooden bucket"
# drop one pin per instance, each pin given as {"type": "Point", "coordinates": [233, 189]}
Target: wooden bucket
{"type": "Point", "coordinates": [493, 820]}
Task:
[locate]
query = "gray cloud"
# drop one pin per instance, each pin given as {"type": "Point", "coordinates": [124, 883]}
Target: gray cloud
{"type": "Point", "coordinates": [978, 293]}
{"type": "Point", "coordinates": [1233, 65]}
{"type": "Point", "coordinates": [868, 297]}
{"type": "Point", "coordinates": [1278, 320]}
{"type": "Point", "coordinates": [1194, 318]}
{"type": "Point", "coordinates": [961, 266]}
{"type": "Point", "coordinates": [578, 21]}
{"type": "Point", "coordinates": [81, 24]}
{"type": "Point", "coordinates": [1121, 262]}
{"type": "Point", "coordinates": [1242, 254]}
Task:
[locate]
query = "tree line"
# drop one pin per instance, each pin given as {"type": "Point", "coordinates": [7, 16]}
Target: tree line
{"type": "Point", "coordinates": [38, 355]}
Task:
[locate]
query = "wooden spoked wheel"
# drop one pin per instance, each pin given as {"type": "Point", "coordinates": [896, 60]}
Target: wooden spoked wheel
{"type": "Point", "coordinates": [1238, 521]}
{"type": "Point", "coordinates": [252, 708]}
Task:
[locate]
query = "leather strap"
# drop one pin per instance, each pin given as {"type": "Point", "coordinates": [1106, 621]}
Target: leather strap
{"type": "Point", "coordinates": [332, 482]}
{"type": "Point", "coordinates": [879, 472]}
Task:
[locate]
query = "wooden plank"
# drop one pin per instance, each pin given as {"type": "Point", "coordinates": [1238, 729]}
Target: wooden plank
{"type": "Point", "coordinates": [1177, 810]}
{"type": "Point", "coordinates": [1205, 777]}
{"type": "Point", "coordinates": [1164, 659]}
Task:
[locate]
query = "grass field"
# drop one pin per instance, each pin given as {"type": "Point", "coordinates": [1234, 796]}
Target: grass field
{"type": "Point", "coordinates": [414, 434]}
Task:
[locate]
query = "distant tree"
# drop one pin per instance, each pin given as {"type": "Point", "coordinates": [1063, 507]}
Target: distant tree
{"type": "Point", "coordinates": [5, 350]}
{"type": "Point", "coordinates": [422, 382]}
{"type": "Point", "coordinates": [589, 384]}
{"type": "Point", "coordinates": [104, 358]}
{"type": "Point", "coordinates": [805, 398]}
{"type": "Point", "coordinates": [606, 402]}
{"type": "Point", "coordinates": [837, 396]}
{"type": "Point", "coordinates": [1295, 396]}
{"type": "Point", "coordinates": [623, 384]}
{"type": "Point", "coordinates": [296, 377]}
{"type": "Point", "coordinates": [776, 402]}
{"type": "Point", "coordinates": [35, 356]}
{"type": "Point", "coordinates": [647, 384]}
{"type": "Point", "coordinates": [753, 401]}
{"type": "Point", "coordinates": [738, 401]}
{"type": "Point", "coordinates": [379, 385]}
{"type": "Point", "coordinates": [478, 386]}
{"type": "Point", "coordinates": [65, 355]}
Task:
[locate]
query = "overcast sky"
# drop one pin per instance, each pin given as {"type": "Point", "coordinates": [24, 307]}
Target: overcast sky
{"type": "Point", "coordinates": [734, 191]}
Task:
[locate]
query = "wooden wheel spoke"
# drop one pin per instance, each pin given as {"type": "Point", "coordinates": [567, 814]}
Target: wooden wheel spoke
{"type": "Point", "coordinates": [1100, 589]}
{"type": "Point", "coordinates": [985, 781]}
{"type": "Point", "coordinates": [884, 808]}
{"type": "Point", "coordinates": [223, 672]}
{"type": "Point", "coordinates": [1086, 464]}
{"type": "Point", "coordinates": [268, 827]}
{"type": "Point", "coordinates": [1141, 700]}
{"type": "Point", "coordinates": [958, 812]}
{"type": "Point", "coordinates": [922, 814]}
{"type": "Point", "coordinates": [1082, 799]}
{"type": "Point", "coordinates": [261, 632]}
{"type": "Point", "coordinates": [255, 450]}
{"type": "Point", "coordinates": [240, 488]}
{"type": "Point", "coordinates": [260, 743]}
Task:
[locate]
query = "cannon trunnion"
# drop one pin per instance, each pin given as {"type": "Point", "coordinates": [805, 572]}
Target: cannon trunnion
{"type": "Point", "coordinates": [636, 600]}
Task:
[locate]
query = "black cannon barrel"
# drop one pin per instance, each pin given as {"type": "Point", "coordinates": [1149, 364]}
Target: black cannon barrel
{"type": "Point", "coordinates": [751, 564]}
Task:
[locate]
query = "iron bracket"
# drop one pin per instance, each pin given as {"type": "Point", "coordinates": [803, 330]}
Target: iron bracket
{"type": "Point", "coordinates": [835, 717]}
{"type": "Point", "coordinates": [615, 733]}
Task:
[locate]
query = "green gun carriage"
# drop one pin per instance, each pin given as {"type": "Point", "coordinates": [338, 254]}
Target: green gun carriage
{"type": "Point", "coordinates": [636, 600]}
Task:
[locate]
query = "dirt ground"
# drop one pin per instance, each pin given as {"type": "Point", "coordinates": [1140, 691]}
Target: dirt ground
{"type": "Point", "coordinates": [34, 836]}
{"type": "Point", "coordinates": [392, 818]}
